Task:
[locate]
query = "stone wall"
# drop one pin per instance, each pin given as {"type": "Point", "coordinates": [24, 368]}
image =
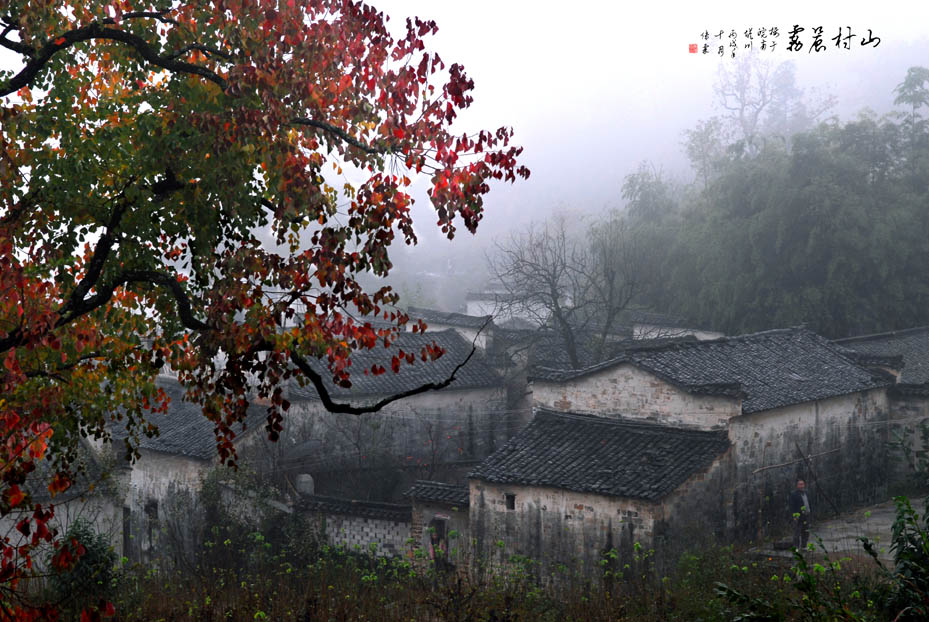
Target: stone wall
{"type": "Point", "coordinates": [362, 534]}
{"type": "Point", "coordinates": [433, 428]}
{"type": "Point", "coordinates": [838, 445]}
{"type": "Point", "coordinates": [567, 533]}
{"type": "Point", "coordinates": [365, 527]}
{"type": "Point", "coordinates": [632, 393]}
{"type": "Point", "coordinates": [908, 413]}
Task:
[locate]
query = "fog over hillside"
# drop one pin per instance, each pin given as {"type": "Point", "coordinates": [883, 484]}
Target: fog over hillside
{"type": "Point", "coordinates": [595, 90]}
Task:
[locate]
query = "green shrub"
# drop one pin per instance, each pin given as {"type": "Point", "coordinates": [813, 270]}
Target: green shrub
{"type": "Point", "coordinates": [907, 595]}
{"type": "Point", "coordinates": [93, 577]}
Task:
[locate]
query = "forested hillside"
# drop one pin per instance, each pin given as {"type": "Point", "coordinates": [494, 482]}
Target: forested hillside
{"type": "Point", "coordinates": [793, 216]}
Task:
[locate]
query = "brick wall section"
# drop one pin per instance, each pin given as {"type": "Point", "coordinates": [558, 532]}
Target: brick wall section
{"type": "Point", "coordinates": [907, 413]}
{"type": "Point", "coordinates": [355, 533]}
{"type": "Point", "coordinates": [629, 392]}
{"type": "Point", "coordinates": [845, 441]}
{"type": "Point", "coordinates": [381, 528]}
{"type": "Point", "coordinates": [566, 532]}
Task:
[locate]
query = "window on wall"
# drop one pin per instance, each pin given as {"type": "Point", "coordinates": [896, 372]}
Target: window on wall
{"type": "Point", "coordinates": [510, 500]}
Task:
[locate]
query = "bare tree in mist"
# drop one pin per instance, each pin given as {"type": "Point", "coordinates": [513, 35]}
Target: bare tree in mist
{"type": "Point", "coordinates": [576, 284]}
{"type": "Point", "coordinates": [758, 100]}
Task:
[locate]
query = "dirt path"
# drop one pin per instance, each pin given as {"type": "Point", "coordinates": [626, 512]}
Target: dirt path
{"type": "Point", "coordinates": [840, 535]}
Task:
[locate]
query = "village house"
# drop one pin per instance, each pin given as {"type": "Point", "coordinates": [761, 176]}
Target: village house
{"type": "Point", "coordinates": [440, 522]}
{"type": "Point", "coordinates": [791, 403]}
{"type": "Point", "coordinates": [378, 455]}
{"type": "Point", "coordinates": [94, 498]}
{"type": "Point", "coordinates": [570, 488]}
{"type": "Point", "coordinates": [669, 441]}
{"type": "Point", "coordinates": [158, 491]}
{"type": "Point", "coordinates": [473, 329]}
{"type": "Point", "coordinates": [905, 355]}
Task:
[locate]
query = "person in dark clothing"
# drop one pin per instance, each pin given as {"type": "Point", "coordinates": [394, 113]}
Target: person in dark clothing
{"type": "Point", "coordinates": [800, 511]}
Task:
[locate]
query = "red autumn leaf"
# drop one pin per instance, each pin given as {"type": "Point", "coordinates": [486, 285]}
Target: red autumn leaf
{"type": "Point", "coordinates": [14, 495]}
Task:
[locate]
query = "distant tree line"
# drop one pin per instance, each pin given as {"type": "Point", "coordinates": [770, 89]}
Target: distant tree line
{"type": "Point", "coordinates": [792, 219]}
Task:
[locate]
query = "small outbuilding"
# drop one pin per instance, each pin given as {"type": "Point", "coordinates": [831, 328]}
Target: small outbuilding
{"type": "Point", "coordinates": [570, 489]}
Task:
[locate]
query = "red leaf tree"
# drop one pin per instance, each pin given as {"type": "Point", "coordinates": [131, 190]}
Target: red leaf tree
{"type": "Point", "coordinates": [206, 183]}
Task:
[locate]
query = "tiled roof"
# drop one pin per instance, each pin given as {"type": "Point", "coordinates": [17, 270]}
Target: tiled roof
{"type": "Point", "coordinates": [88, 478]}
{"type": "Point", "coordinates": [475, 374]}
{"type": "Point", "coordinates": [613, 457]}
{"type": "Point", "coordinates": [912, 345]}
{"type": "Point", "coordinates": [353, 507]}
{"type": "Point", "coordinates": [489, 296]}
{"type": "Point", "coordinates": [651, 317]}
{"type": "Point", "coordinates": [183, 430]}
{"type": "Point", "coordinates": [548, 363]}
{"type": "Point", "coordinates": [771, 369]}
{"type": "Point", "coordinates": [433, 316]}
{"type": "Point", "coordinates": [449, 494]}
{"type": "Point", "coordinates": [546, 347]}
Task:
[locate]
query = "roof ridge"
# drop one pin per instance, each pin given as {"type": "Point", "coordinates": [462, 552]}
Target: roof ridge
{"type": "Point", "coordinates": [416, 309]}
{"type": "Point", "coordinates": [620, 421]}
{"type": "Point", "coordinates": [889, 333]}
{"type": "Point", "coordinates": [744, 337]}
{"type": "Point", "coordinates": [359, 502]}
{"type": "Point", "coordinates": [432, 482]}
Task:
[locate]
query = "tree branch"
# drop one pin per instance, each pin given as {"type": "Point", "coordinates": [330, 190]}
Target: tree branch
{"type": "Point", "coordinates": [337, 407]}
{"type": "Point", "coordinates": [326, 127]}
{"type": "Point", "coordinates": [184, 309]}
{"type": "Point", "coordinates": [202, 48]}
{"type": "Point", "coordinates": [97, 260]}
{"type": "Point", "coordinates": [54, 374]}
{"type": "Point", "coordinates": [97, 30]}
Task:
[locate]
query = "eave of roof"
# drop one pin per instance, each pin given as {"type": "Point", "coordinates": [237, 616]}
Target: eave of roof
{"type": "Point", "coordinates": [606, 456]}
{"type": "Point", "coordinates": [724, 367]}
{"type": "Point", "coordinates": [475, 374]}
{"type": "Point", "coordinates": [439, 492]}
{"type": "Point", "coordinates": [354, 507]}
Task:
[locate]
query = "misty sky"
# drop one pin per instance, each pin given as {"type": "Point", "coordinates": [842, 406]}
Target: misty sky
{"type": "Point", "coordinates": [593, 88]}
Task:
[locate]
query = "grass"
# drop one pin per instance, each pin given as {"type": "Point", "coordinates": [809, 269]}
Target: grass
{"type": "Point", "coordinates": [345, 585]}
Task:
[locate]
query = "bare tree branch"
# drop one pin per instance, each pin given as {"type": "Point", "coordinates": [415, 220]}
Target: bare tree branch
{"type": "Point", "coordinates": [317, 380]}
{"type": "Point", "coordinates": [577, 288]}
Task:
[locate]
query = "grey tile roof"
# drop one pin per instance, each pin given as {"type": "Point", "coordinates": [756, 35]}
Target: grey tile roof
{"type": "Point", "coordinates": [547, 347]}
{"type": "Point", "coordinates": [449, 494]}
{"type": "Point", "coordinates": [912, 345]}
{"type": "Point", "coordinates": [489, 296]}
{"type": "Point", "coordinates": [183, 430]}
{"type": "Point", "coordinates": [770, 369]}
{"type": "Point", "coordinates": [476, 374]}
{"type": "Point", "coordinates": [433, 316]}
{"type": "Point", "coordinates": [549, 358]}
{"type": "Point", "coordinates": [612, 457]}
{"type": "Point", "coordinates": [88, 478]}
{"type": "Point", "coordinates": [654, 318]}
{"type": "Point", "coordinates": [354, 507]}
